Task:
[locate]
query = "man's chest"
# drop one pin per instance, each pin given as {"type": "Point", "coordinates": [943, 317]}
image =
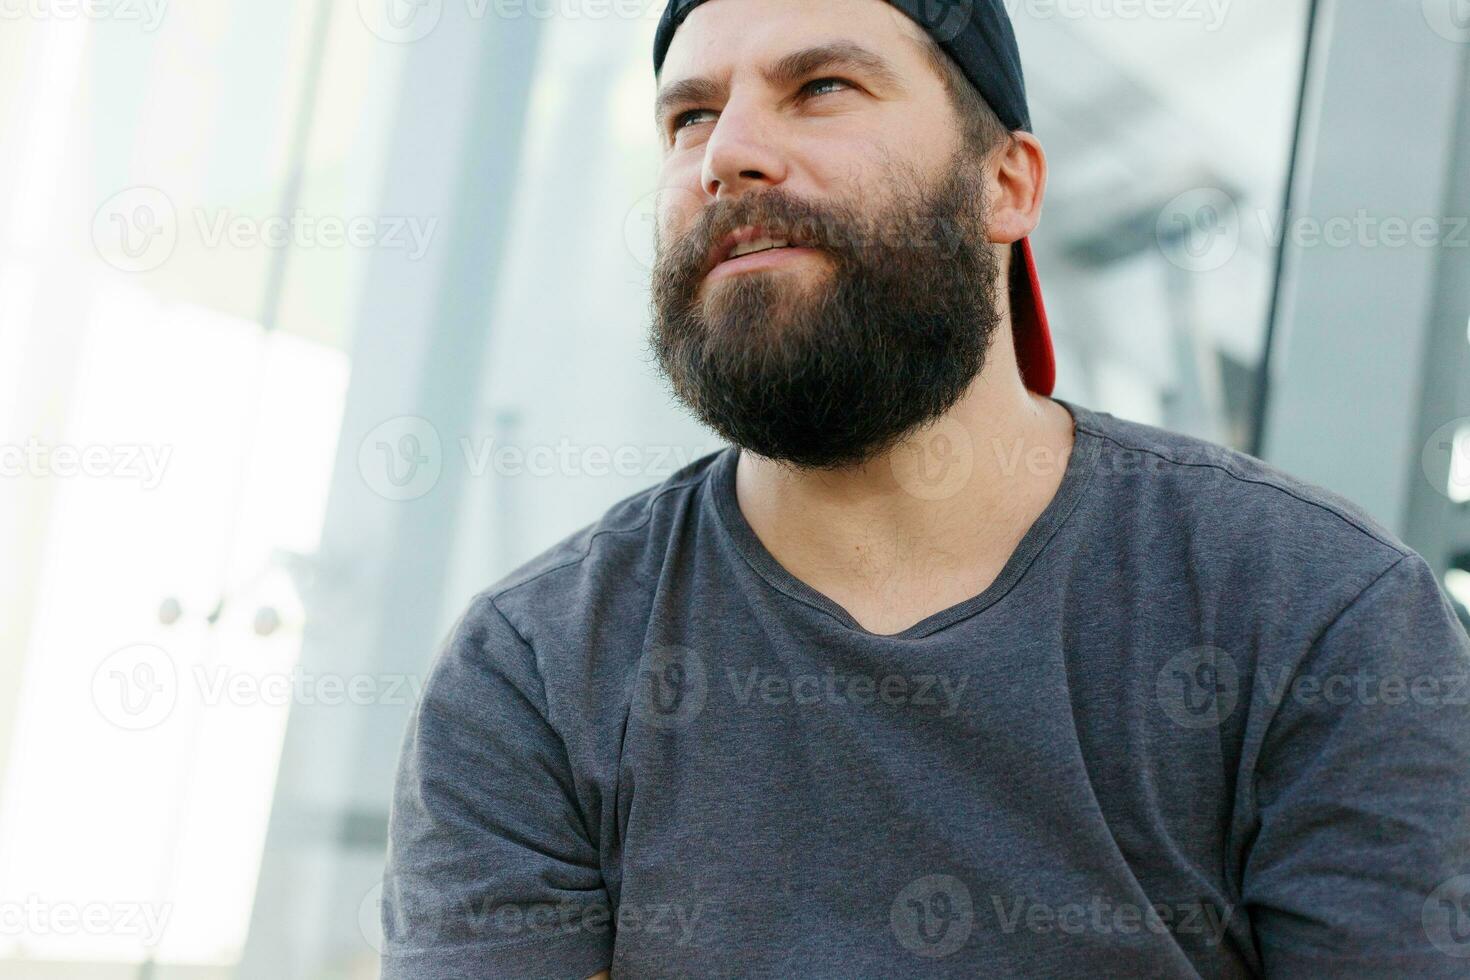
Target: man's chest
{"type": "Point", "coordinates": [961, 806]}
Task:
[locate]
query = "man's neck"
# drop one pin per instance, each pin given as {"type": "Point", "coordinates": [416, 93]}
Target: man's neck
{"type": "Point", "coordinates": [927, 525]}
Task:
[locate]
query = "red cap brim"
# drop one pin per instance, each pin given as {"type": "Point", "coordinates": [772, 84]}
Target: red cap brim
{"type": "Point", "coordinates": [1028, 314]}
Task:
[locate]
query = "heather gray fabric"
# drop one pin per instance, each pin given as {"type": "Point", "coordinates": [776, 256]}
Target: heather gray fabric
{"type": "Point", "coordinates": [1208, 721]}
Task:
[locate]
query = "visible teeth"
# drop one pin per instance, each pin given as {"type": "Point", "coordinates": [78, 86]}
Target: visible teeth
{"type": "Point", "coordinates": [758, 245]}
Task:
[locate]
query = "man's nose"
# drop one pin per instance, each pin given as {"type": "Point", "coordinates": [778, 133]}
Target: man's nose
{"type": "Point", "coordinates": [743, 153]}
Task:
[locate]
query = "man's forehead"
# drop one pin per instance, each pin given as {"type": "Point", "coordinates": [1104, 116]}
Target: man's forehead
{"type": "Point", "coordinates": [719, 36]}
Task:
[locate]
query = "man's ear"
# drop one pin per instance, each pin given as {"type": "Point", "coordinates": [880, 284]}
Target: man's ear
{"type": "Point", "coordinates": [1017, 184]}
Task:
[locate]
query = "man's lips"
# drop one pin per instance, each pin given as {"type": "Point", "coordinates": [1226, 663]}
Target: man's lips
{"type": "Point", "coordinates": [723, 249]}
{"type": "Point", "coordinates": [768, 259]}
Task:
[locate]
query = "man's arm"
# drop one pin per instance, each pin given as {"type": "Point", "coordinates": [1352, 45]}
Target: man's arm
{"type": "Point", "coordinates": [491, 869]}
{"type": "Point", "coordinates": [1359, 865]}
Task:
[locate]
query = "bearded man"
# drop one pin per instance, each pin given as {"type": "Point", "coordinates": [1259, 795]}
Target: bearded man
{"type": "Point", "coordinates": [928, 673]}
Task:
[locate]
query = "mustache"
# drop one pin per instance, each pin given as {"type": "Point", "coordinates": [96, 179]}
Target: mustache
{"type": "Point", "coordinates": [838, 229]}
{"type": "Point", "coordinates": [774, 209]}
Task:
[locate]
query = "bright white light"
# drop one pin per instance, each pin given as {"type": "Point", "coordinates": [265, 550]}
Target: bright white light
{"type": "Point", "coordinates": [168, 818]}
{"type": "Point", "coordinates": [1459, 482]}
{"type": "Point", "coordinates": [1457, 583]}
{"type": "Point", "coordinates": [17, 301]}
{"type": "Point", "coordinates": [58, 67]}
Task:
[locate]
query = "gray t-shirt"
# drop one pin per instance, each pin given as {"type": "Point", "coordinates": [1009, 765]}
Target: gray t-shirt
{"type": "Point", "coordinates": [1208, 720]}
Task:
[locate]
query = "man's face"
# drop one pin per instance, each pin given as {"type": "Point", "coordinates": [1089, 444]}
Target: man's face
{"type": "Point", "coordinates": [819, 126]}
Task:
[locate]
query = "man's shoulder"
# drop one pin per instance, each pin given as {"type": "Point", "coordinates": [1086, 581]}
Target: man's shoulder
{"type": "Point", "coordinates": [1242, 499]}
{"type": "Point", "coordinates": [624, 546]}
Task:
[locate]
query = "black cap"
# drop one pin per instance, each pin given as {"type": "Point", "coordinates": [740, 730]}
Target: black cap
{"type": "Point", "coordinates": [975, 33]}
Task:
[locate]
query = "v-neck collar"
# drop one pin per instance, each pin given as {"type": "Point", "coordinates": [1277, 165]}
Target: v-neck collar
{"type": "Point", "coordinates": [1080, 466]}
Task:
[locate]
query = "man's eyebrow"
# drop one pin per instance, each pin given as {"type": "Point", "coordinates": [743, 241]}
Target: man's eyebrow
{"type": "Point", "coordinates": [789, 68]}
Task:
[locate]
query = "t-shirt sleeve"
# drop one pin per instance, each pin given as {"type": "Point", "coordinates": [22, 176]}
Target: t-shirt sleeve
{"type": "Point", "coordinates": [491, 871]}
{"type": "Point", "coordinates": [1361, 862]}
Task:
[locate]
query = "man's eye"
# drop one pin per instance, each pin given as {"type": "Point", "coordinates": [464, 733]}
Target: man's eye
{"type": "Point", "coordinates": [684, 117]}
{"type": "Point", "coordinates": [814, 87]}
{"type": "Point", "coordinates": [820, 82]}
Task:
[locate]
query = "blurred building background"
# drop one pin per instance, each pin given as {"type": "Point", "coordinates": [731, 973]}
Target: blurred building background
{"type": "Point", "coordinates": [317, 317]}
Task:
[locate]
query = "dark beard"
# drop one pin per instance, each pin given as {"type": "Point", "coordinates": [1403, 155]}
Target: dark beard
{"type": "Point", "coordinates": [836, 369]}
